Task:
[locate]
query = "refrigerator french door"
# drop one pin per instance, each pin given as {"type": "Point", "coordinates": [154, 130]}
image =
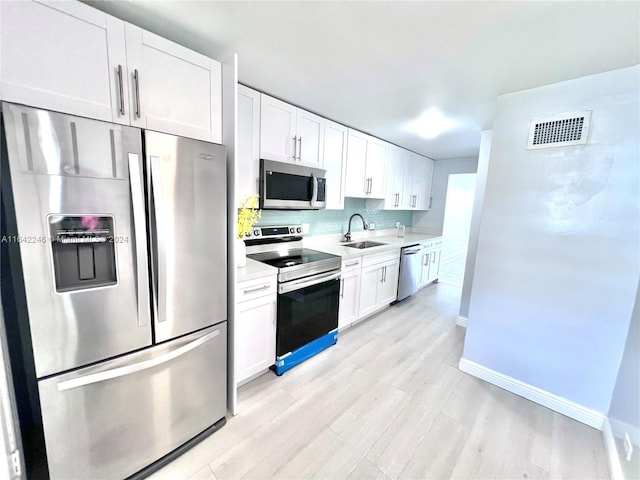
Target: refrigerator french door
{"type": "Point", "coordinates": [120, 254]}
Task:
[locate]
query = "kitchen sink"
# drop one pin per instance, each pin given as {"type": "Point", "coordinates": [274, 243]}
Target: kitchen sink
{"type": "Point", "coordinates": [365, 244]}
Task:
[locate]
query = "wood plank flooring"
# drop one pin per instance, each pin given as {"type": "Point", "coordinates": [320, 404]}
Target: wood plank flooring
{"type": "Point", "coordinates": [388, 402]}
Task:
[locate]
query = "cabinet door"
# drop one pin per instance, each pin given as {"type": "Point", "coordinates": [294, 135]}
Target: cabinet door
{"type": "Point", "coordinates": [396, 160]}
{"type": "Point", "coordinates": [310, 132]}
{"type": "Point", "coordinates": [335, 154]}
{"type": "Point", "coordinates": [349, 298]}
{"type": "Point", "coordinates": [63, 56]}
{"type": "Point", "coordinates": [278, 140]}
{"type": "Point", "coordinates": [173, 89]}
{"type": "Point", "coordinates": [424, 194]}
{"type": "Point", "coordinates": [356, 185]}
{"type": "Point", "coordinates": [434, 264]}
{"type": "Point", "coordinates": [248, 155]}
{"type": "Point", "coordinates": [255, 336]}
{"type": "Point", "coordinates": [388, 289]}
{"type": "Point", "coordinates": [376, 167]}
{"type": "Point", "coordinates": [371, 278]}
{"type": "Point", "coordinates": [424, 273]}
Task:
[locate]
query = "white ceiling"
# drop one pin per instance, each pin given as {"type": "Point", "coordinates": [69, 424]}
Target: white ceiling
{"type": "Point", "coordinates": [376, 66]}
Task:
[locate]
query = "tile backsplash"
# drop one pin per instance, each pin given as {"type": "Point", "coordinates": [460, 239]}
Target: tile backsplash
{"type": "Point", "coordinates": [322, 222]}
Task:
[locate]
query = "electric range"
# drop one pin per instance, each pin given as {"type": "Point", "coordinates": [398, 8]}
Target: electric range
{"type": "Point", "coordinates": [308, 293]}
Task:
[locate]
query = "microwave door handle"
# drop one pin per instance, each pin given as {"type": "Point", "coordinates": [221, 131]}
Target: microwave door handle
{"type": "Point", "coordinates": [140, 235]}
{"type": "Point", "coordinates": [160, 238]}
{"type": "Point", "coordinates": [314, 191]}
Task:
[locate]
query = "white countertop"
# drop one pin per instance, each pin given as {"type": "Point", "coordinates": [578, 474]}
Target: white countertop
{"type": "Point", "coordinates": [337, 247]}
{"type": "Point", "coordinates": [253, 270]}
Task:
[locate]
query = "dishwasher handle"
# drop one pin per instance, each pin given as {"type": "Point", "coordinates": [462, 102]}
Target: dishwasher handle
{"type": "Point", "coordinates": [412, 250]}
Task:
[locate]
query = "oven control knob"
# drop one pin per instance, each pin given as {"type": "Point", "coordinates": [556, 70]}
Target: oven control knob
{"type": "Point", "coordinates": [292, 230]}
{"type": "Point", "coordinates": [299, 229]}
{"type": "Point", "coordinates": [256, 233]}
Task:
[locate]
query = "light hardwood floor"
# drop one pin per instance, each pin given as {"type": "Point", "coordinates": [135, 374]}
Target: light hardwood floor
{"type": "Point", "coordinates": [388, 402]}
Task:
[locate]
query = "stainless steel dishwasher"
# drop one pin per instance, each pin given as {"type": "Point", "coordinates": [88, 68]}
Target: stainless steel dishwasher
{"type": "Point", "coordinates": [410, 270]}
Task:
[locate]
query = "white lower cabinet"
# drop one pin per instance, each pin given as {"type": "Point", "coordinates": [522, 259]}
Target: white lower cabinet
{"type": "Point", "coordinates": [379, 282]}
{"type": "Point", "coordinates": [255, 328]}
{"type": "Point", "coordinates": [350, 292]}
{"type": "Point", "coordinates": [430, 262]}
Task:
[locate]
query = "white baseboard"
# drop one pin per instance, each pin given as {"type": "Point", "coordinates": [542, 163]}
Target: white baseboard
{"type": "Point", "coordinates": [615, 468]}
{"type": "Point", "coordinates": [462, 321]}
{"type": "Point", "coordinates": [556, 403]}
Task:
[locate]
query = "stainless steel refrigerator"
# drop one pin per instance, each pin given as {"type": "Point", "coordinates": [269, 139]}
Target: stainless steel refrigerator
{"type": "Point", "coordinates": [117, 239]}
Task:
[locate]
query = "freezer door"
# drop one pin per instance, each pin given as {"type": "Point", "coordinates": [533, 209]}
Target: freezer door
{"type": "Point", "coordinates": [76, 188]}
{"type": "Point", "coordinates": [113, 419]}
{"type": "Point", "coordinates": [189, 230]}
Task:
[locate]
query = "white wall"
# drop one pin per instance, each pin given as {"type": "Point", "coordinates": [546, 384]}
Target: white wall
{"type": "Point", "coordinates": [434, 219]}
{"type": "Point", "coordinates": [624, 413]}
{"type": "Point", "coordinates": [476, 216]}
{"type": "Point", "coordinates": [558, 261]}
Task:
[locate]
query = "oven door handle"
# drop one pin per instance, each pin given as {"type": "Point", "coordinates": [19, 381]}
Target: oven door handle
{"type": "Point", "coordinates": [306, 282]}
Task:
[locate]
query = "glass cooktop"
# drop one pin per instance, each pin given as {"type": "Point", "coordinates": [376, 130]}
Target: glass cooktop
{"type": "Point", "coordinates": [291, 258]}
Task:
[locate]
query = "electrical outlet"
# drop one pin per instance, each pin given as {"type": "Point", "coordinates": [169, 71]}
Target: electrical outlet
{"type": "Point", "coordinates": [305, 228]}
{"type": "Point", "coordinates": [372, 226]}
{"type": "Point", "coordinates": [397, 224]}
{"type": "Point", "coordinates": [628, 447]}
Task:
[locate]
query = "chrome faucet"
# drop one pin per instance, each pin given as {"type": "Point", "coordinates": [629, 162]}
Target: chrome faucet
{"type": "Point", "coordinates": [347, 236]}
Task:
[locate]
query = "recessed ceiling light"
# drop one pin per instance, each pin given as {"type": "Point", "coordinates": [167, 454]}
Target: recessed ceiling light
{"type": "Point", "coordinates": [431, 124]}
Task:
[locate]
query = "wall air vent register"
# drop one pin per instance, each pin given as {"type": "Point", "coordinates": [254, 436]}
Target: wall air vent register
{"type": "Point", "coordinates": [559, 131]}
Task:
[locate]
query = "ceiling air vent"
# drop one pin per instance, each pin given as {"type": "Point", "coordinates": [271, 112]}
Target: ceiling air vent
{"type": "Point", "coordinates": [559, 131]}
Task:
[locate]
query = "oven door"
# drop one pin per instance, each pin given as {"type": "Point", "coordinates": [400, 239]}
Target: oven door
{"type": "Point", "coordinates": [307, 310]}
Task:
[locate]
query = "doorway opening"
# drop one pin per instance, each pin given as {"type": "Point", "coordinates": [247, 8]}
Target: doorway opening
{"type": "Point", "coordinates": [457, 224]}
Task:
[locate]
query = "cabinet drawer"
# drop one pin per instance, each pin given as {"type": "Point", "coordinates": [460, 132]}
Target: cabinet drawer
{"type": "Point", "coordinates": [351, 264]}
{"type": "Point", "coordinates": [256, 288]}
{"type": "Point", "coordinates": [381, 257]}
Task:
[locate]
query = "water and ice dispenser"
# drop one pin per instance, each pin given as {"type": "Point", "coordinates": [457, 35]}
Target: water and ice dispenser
{"type": "Point", "coordinates": [83, 251]}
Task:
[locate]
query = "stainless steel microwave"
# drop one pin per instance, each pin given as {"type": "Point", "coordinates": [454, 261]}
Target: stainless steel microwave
{"type": "Point", "coordinates": [286, 186]}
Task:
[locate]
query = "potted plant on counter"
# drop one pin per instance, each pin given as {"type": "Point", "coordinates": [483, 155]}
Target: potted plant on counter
{"type": "Point", "coordinates": [248, 216]}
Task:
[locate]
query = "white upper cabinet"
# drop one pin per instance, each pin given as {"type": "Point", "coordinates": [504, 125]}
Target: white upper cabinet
{"type": "Point", "coordinates": [277, 130]}
{"type": "Point", "coordinates": [63, 56]}
{"type": "Point", "coordinates": [335, 156]}
{"type": "Point", "coordinates": [69, 57]}
{"type": "Point", "coordinates": [357, 185]}
{"type": "Point", "coordinates": [248, 154]}
{"type": "Point", "coordinates": [376, 166]}
{"type": "Point", "coordinates": [395, 199]}
{"type": "Point", "coordinates": [290, 134]}
{"type": "Point", "coordinates": [418, 182]}
{"type": "Point", "coordinates": [310, 136]}
{"type": "Point", "coordinates": [173, 89]}
{"type": "Point", "coordinates": [366, 164]}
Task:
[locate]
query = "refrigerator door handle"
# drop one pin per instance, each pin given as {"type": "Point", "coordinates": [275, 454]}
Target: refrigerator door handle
{"type": "Point", "coordinates": [160, 237]}
{"type": "Point", "coordinates": [140, 234]}
{"type": "Point", "coordinates": [136, 367]}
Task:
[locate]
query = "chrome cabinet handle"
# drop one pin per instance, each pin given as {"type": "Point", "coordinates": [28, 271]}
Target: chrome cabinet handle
{"type": "Point", "coordinates": [370, 185]}
{"type": "Point", "coordinates": [256, 289]}
{"type": "Point", "coordinates": [295, 148]}
{"type": "Point", "coordinates": [140, 233]}
{"type": "Point", "coordinates": [342, 288]}
{"type": "Point", "coordinates": [357, 262]}
{"type": "Point", "coordinates": [430, 201]}
{"type": "Point", "coordinates": [300, 149]}
{"type": "Point", "coordinates": [136, 367]}
{"type": "Point", "coordinates": [136, 81]}
{"type": "Point", "coordinates": [121, 89]}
